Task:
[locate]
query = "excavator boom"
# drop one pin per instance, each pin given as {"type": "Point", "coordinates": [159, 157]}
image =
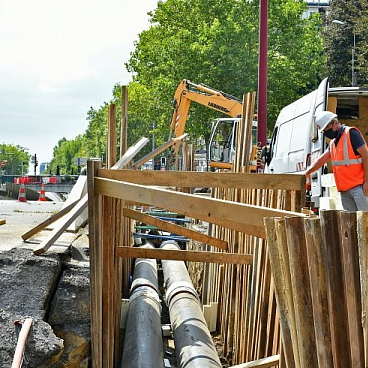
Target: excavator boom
{"type": "Point", "coordinates": [203, 95]}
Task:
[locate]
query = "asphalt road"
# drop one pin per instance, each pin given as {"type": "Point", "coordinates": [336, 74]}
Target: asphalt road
{"type": "Point", "coordinates": [21, 217]}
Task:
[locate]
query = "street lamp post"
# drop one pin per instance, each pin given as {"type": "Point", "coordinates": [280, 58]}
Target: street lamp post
{"type": "Point", "coordinates": [353, 74]}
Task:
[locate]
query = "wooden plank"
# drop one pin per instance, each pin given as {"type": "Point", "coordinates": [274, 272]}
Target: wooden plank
{"type": "Point", "coordinates": [70, 217]}
{"type": "Point", "coordinates": [178, 230]}
{"type": "Point", "coordinates": [2, 222]}
{"type": "Point", "coordinates": [185, 255]}
{"type": "Point", "coordinates": [350, 262]}
{"type": "Point", "coordinates": [317, 277]}
{"type": "Point", "coordinates": [124, 121]}
{"type": "Point", "coordinates": [111, 136]}
{"type": "Point", "coordinates": [50, 220]}
{"type": "Point", "coordinates": [335, 289]}
{"type": "Point", "coordinates": [108, 281]}
{"type": "Point", "coordinates": [129, 154]}
{"type": "Point", "coordinates": [95, 257]}
{"type": "Point", "coordinates": [362, 230]}
{"type": "Point", "coordinates": [207, 179]}
{"type": "Point", "coordinates": [157, 151]}
{"type": "Point", "coordinates": [237, 216]}
{"type": "Point", "coordinates": [275, 257]}
{"type": "Point", "coordinates": [301, 291]}
{"type": "Point", "coordinates": [260, 363]}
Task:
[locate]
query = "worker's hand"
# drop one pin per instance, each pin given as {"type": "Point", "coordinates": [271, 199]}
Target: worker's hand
{"type": "Point", "coordinates": [365, 187]}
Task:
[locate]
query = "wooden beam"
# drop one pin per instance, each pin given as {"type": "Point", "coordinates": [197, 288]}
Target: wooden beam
{"type": "Point", "coordinates": [207, 179]}
{"type": "Point", "coordinates": [260, 363]}
{"type": "Point", "coordinates": [179, 230]}
{"type": "Point", "coordinates": [157, 151]}
{"type": "Point", "coordinates": [70, 217]}
{"type": "Point", "coordinates": [185, 255]}
{"type": "Point", "coordinates": [237, 216]}
{"type": "Point", "coordinates": [124, 120]}
{"type": "Point", "coordinates": [111, 136]}
{"type": "Point", "coordinates": [49, 221]}
{"type": "Point", "coordinates": [130, 153]}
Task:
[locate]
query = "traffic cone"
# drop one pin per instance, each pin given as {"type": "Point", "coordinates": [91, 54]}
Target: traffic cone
{"type": "Point", "coordinates": [42, 196]}
{"type": "Point", "coordinates": [22, 193]}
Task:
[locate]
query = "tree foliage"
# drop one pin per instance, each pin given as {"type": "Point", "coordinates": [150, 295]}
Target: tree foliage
{"type": "Point", "coordinates": [210, 42]}
{"type": "Point", "coordinates": [346, 22]}
{"type": "Point", "coordinates": [216, 43]}
{"type": "Point", "coordinates": [15, 158]}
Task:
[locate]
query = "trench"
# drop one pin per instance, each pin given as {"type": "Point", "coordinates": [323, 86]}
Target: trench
{"type": "Point", "coordinates": [143, 341]}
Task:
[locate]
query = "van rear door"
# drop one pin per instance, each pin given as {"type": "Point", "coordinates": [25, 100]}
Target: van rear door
{"type": "Point", "coordinates": [318, 141]}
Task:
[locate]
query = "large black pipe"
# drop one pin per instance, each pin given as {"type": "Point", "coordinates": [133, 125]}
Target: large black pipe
{"type": "Point", "coordinates": [193, 342]}
{"type": "Point", "coordinates": [143, 336]}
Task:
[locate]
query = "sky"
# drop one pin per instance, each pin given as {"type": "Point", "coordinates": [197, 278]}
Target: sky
{"type": "Point", "coordinates": [57, 59]}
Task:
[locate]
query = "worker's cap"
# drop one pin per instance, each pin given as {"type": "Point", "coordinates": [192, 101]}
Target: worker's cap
{"type": "Point", "coordinates": [324, 118]}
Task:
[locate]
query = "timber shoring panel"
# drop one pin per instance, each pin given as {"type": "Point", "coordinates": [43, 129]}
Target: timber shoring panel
{"type": "Point", "coordinates": [331, 331]}
{"type": "Point", "coordinates": [236, 222]}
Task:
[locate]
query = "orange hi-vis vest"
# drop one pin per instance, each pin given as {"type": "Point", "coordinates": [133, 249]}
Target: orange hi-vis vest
{"type": "Point", "coordinates": [346, 165]}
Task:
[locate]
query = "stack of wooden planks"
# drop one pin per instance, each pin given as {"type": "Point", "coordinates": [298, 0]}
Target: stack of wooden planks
{"type": "Point", "coordinates": [320, 270]}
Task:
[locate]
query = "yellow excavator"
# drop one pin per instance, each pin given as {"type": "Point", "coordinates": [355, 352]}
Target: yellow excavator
{"type": "Point", "coordinates": [221, 150]}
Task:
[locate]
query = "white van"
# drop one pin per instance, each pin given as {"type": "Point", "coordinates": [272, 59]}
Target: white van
{"type": "Point", "coordinates": [296, 141]}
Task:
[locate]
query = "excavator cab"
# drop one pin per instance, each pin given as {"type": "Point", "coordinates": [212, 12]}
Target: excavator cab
{"type": "Point", "coordinates": [221, 150]}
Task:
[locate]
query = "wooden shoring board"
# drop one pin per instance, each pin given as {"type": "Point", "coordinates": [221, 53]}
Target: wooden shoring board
{"type": "Point", "coordinates": [179, 230]}
{"type": "Point", "coordinates": [111, 135]}
{"type": "Point", "coordinates": [56, 233]}
{"type": "Point", "coordinates": [207, 179]}
{"type": "Point", "coordinates": [96, 258]}
{"type": "Point", "coordinates": [284, 259]}
{"type": "Point", "coordinates": [124, 120]}
{"type": "Point", "coordinates": [362, 229]}
{"type": "Point", "coordinates": [295, 236]}
{"type": "Point", "coordinates": [317, 276]}
{"type": "Point", "coordinates": [157, 151]}
{"type": "Point", "coordinates": [107, 244]}
{"type": "Point", "coordinates": [335, 288]}
{"type": "Point", "coordinates": [281, 292]}
{"type": "Point", "coordinates": [49, 221]}
{"type": "Point", "coordinates": [268, 362]}
{"type": "Point", "coordinates": [184, 255]}
{"type": "Point", "coordinates": [349, 250]}
{"type": "Point", "coordinates": [130, 154]}
{"type": "Point", "coordinates": [236, 216]}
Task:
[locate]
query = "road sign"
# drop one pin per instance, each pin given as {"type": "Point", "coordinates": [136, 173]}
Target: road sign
{"type": "Point", "coordinates": [80, 161]}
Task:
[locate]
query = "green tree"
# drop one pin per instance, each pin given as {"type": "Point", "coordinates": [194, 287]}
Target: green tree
{"type": "Point", "coordinates": [216, 43]}
{"type": "Point", "coordinates": [345, 26]}
{"type": "Point", "coordinates": [15, 158]}
{"type": "Point", "coordinates": [64, 154]}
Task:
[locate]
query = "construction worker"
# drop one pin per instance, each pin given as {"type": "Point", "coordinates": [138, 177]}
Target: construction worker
{"type": "Point", "coordinates": [348, 152]}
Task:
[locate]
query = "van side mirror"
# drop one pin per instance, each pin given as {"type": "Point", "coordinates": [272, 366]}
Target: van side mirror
{"type": "Point", "coordinates": [314, 130]}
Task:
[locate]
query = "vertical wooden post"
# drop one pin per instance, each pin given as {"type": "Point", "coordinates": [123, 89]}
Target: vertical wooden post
{"type": "Point", "coordinates": [124, 121]}
{"type": "Point", "coordinates": [335, 288]}
{"type": "Point", "coordinates": [95, 255]}
{"type": "Point", "coordinates": [362, 219]}
{"type": "Point", "coordinates": [281, 292]}
{"type": "Point", "coordinates": [349, 246]}
{"type": "Point", "coordinates": [286, 274]}
{"type": "Point", "coordinates": [302, 296]}
{"type": "Point", "coordinates": [317, 278]}
{"type": "Point", "coordinates": [111, 136]}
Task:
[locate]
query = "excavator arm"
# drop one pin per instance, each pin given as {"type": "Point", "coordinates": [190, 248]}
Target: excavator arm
{"type": "Point", "coordinates": [204, 95]}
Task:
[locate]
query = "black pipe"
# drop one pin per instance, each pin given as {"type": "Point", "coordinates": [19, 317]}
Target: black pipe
{"type": "Point", "coordinates": [193, 342]}
{"type": "Point", "coordinates": [143, 336]}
